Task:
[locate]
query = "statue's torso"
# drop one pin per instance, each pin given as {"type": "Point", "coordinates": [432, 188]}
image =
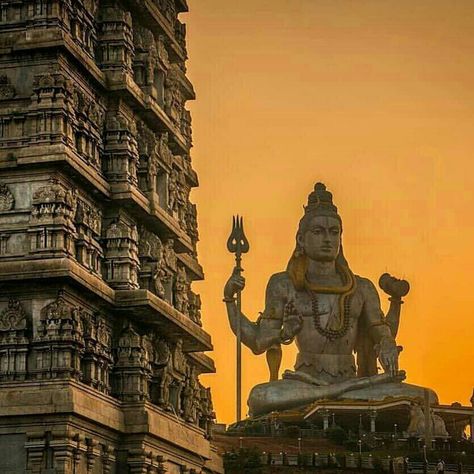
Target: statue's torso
{"type": "Point", "coordinates": [330, 359]}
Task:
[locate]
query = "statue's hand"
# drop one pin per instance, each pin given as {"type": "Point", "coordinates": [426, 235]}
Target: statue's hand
{"type": "Point", "coordinates": [388, 355]}
{"type": "Point", "coordinates": [292, 323]}
{"type": "Point", "coordinates": [234, 284]}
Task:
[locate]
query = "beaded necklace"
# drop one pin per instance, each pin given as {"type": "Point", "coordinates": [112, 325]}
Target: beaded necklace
{"type": "Point", "coordinates": [330, 334]}
{"type": "Point", "coordinates": [345, 292]}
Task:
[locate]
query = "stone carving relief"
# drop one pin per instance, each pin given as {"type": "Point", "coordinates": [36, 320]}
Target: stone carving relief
{"type": "Point", "coordinates": [191, 223]}
{"type": "Point", "coordinates": [133, 369]}
{"type": "Point", "coordinates": [121, 255]}
{"type": "Point", "coordinates": [115, 51]}
{"type": "Point", "coordinates": [181, 291]}
{"type": "Point", "coordinates": [51, 224]}
{"type": "Point", "coordinates": [153, 273]}
{"type": "Point", "coordinates": [7, 91]}
{"type": "Point", "coordinates": [88, 221]}
{"type": "Point", "coordinates": [174, 100]}
{"type": "Point", "coordinates": [194, 307]}
{"type": "Point", "coordinates": [178, 197]}
{"type": "Point", "coordinates": [14, 341]}
{"type": "Point", "coordinates": [97, 360]}
{"type": "Point", "coordinates": [206, 410]}
{"type": "Point", "coordinates": [13, 317]}
{"type": "Point", "coordinates": [121, 157]}
{"type": "Point", "coordinates": [186, 127]}
{"type": "Point", "coordinates": [7, 201]}
{"type": "Point", "coordinates": [89, 117]}
{"type": "Point", "coordinates": [59, 344]}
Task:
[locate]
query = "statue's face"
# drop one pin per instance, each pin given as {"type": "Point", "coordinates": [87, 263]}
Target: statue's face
{"type": "Point", "coordinates": [321, 239]}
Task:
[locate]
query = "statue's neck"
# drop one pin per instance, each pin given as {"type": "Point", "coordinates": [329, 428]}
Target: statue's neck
{"type": "Point", "coordinates": [318, 270]}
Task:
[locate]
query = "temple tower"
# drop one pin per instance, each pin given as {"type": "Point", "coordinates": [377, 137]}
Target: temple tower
{"type": "Point", "coordinates": [101, 342]}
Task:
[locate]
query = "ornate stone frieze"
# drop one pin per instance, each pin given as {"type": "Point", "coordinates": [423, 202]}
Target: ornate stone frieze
{"type": "Point", "coordinates": [7, 201]}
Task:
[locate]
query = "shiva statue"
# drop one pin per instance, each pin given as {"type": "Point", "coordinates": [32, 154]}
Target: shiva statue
{"type": "Point", "coordinates": [332, 315]}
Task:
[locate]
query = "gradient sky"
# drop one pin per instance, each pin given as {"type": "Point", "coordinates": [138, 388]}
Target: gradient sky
{"type": "Point", "coordinates": [373, 97]}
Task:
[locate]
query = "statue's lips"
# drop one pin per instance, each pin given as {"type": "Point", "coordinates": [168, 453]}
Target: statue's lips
{"type": "Point", "coordinates": [326, 249]}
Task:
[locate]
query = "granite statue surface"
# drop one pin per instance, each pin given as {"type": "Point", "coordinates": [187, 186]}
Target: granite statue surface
{"type": "Point", "coordinates": [331, 314]}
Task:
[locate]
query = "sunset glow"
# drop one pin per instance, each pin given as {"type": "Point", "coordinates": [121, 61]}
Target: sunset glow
{"type": "Point", "coordinates": [373, 98]}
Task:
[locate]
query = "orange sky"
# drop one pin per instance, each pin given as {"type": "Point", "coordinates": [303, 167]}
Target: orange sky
{"type": "Point", "coordinates": [374, 98]}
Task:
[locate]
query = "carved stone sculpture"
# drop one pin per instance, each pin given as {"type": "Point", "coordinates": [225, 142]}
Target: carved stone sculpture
{"type": "Point", "coordinates": [181, 288]}
{"type": "Point", "coordinates": [331, 313]}
{"type": "Point", "coordinates": [7, 201]}
{"type": "Point", "coordinates": [59, 344]}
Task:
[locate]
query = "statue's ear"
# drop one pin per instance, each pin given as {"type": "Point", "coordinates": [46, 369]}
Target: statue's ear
{"type": "Point", "coordinates": [299, 240]}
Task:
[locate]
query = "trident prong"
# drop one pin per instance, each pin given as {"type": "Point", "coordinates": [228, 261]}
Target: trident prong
{"type": "Point", "coordinates": [238, 244]}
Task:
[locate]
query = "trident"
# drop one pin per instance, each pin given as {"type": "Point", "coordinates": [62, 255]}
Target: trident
{"type": "Point", "coordinates": [238, 244]}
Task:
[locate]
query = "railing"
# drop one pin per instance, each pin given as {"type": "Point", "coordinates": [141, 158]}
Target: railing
{"type": "Point", "coordinates": [363, 462]}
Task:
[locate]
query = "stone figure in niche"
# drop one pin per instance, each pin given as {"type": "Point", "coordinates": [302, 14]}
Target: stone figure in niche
{"type": "Point", "coordinates": [169, 255]}
{"type": "Point", "coordinates": [173, 191]}
{"type": "Point", "coordinates": [194, 307]}
{"type": "Point", "coordinates": [181, 288]}
{"type": "Point", "coordinates": [179, 359]}
{"type": "Point", "coordinates": [7, 201]}
{"type": "Point", "coordinates": [165, 362]}
{"type": "Point", "coordinates": [331, 313]}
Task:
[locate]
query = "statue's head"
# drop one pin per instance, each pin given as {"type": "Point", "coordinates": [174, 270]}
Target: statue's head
{"type": "Point", "coordinates": [320, 229]}
{"type": "Point", "coordinates": [319, 234]}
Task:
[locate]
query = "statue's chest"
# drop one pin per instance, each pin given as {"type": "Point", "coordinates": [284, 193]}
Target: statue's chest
{"type": "Point", "coordinates": [326, 306]}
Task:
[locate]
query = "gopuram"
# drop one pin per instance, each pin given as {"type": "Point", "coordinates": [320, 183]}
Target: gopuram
{"type": "Point", "coordinates": [101, 341]}
{"type": "Point", "coordinates": [342, 335]}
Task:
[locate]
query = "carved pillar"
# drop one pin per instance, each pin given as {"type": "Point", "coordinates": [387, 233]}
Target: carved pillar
{"type": "Point", "coordinates": [132, 371]}
{"type": "Point", "coordinates": [116, 50]}
{"type": "Point", "coordinates": [51, 229]}
{"type": "Point", "coordinates": [13, 342]}
{"type": "Point", "coordinates": [97, 360]}
{"type": "Point", "coordinates": [108, 458]}
{"type": "Point", "coordinates": [121, 158]}
{"type": "Point", "coordinates": [35, 452]}
{"type": "Point", "coordinates": [373, 416]}
{"type": "Point", "coordinates": [325, 415]}
{"type": "Point", "coordinates": [121, 256]}
{"type": "Point", "coordinates": [58, 345]}
{"type": "Point", "coordinates": [88, 222]}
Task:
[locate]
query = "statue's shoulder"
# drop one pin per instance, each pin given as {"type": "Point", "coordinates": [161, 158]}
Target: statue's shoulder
{"type": "Point", "coordinates": [279, 282]}
{"type": "Point", "coordinates": [364, 284]}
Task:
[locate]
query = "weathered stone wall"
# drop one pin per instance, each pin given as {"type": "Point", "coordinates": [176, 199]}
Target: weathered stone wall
{"type": "Point", "coordinates": [101, 341]}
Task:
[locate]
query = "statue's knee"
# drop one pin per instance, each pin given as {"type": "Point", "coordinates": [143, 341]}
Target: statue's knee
{"type": "Point", "coordinates": [258, 399]}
